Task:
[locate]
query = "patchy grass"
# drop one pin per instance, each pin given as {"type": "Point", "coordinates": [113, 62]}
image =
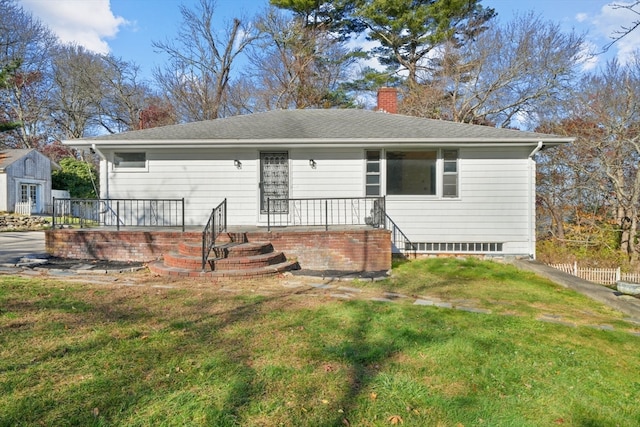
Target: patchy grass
{"type": "Point", "coordinates": [81, 354]}
{"type": "Point", "coordinates": [502, 288]}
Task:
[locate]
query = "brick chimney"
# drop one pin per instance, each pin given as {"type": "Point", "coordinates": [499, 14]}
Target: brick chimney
{"type": "Point", "coordinates": [388, 100]}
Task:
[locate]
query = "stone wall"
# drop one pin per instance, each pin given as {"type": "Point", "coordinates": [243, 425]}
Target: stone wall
{"type": "Point", "coordinates": [11, 222]}
{"type": "Point", "coordinates": [354, 250]}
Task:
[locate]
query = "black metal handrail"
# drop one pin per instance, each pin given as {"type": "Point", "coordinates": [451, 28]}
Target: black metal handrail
{"type": "Point", "coordinates": [337, 211]}
{"type": "Point", "coordinates": [325, 212]}
{"type": "Point", "coordinates": [217, 224]}
{"type": "Point", "coordinates": [118, 213]}
{"type": "Point", "coordinates": [397, 236]}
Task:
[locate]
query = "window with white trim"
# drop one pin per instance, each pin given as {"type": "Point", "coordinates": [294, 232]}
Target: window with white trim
{"type": "Point", "coordinates": [372, 184]}
{"type": "Point", "coordinates": [412, 172]}
{"type": "Point", "coordinates": [450, 173]}
{"type": "Point", "coordinates": [131, 160]}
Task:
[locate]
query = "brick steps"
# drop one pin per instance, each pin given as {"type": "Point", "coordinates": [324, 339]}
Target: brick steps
{"type": "Point", "coordinates": [247, 262]}
{"type": "Point", "coordinates": [158, 267]}
{"type": "Point", "coordinates": [233, 256]}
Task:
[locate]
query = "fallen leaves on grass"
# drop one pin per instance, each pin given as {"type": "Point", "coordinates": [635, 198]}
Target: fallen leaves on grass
{"type": "Point", "coordinates": [395, 420]}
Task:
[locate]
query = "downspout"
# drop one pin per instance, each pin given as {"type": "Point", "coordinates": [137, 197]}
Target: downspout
{"type": "Point", "coordinates": [531, 201]}
{"type": "Point", "coordinates": [95, 149]}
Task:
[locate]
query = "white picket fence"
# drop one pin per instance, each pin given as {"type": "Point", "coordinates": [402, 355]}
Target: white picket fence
{"type": "Point", "coordinates": [605, 276]}
{"type": "Point", "coordinates": [23, 208]}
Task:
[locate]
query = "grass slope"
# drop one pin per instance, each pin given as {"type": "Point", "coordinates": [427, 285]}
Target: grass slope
{"type": "Point", "coordinates": [98, 355]}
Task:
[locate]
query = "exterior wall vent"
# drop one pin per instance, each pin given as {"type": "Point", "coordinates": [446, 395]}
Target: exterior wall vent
{"type": "Point", "coordinates": [434, 247]}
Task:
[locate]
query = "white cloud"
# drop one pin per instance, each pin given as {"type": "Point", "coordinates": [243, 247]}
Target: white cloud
{"type": "Point", "coordinates": [86, 23]}
{"type": "Point", "coordinates": [611, 20]}
{"type": "Point", "coordinates": [581, 17]}
{"type": "Point", "coordinates": [587, 58]}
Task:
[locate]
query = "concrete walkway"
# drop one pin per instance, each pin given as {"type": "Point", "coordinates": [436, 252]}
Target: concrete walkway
{"type": "Point", "coordinates": [15, 245]}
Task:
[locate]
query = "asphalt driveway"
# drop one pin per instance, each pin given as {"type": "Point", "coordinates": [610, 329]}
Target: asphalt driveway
{"type": "Point", "coordinates": [15, 245]}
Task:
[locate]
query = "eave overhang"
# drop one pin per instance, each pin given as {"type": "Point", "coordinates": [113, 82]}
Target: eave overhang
{"type": "Point", "coordinates": [133, 144]}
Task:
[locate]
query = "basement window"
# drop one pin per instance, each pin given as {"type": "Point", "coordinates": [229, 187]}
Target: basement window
{"type": "Point", "coordinates": [461, 247]}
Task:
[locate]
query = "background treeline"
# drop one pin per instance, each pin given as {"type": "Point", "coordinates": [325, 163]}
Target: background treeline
{"type": "Point", "coordinates": [451, 60]}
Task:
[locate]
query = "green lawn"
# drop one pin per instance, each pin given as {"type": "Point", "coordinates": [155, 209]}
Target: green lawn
{"type": "Point", "coordinates": [87, 354]}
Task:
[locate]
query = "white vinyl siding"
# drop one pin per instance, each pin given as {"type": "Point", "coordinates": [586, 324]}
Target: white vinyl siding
{"type": "Point", "coordinates": [338, 173]}
{"type": "Point", "coordinates": [4, 193]}
{"type": "Point", "coordinates": [492, 205]}
{"type": "Point", "coordinates": [204, 179]}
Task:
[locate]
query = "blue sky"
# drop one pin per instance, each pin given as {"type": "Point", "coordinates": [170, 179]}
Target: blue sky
{"type": "Point", "coordinates": [126, 28]}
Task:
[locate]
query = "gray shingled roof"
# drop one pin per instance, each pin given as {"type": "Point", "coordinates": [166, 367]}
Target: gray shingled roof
{"type": "Point", "coordinates": [300, 125]}
{"type": "Point", "coordinates": [9, 156]}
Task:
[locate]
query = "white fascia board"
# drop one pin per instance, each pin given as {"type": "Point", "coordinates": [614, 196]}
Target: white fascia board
{"type": "Point", "coordinates": [315, 143]}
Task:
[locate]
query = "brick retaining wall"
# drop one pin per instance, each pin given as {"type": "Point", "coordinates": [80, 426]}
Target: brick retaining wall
{"type": "Point", "coordinates": [113, 245]}
{"type": "Point", "coordinates": [338, 250]}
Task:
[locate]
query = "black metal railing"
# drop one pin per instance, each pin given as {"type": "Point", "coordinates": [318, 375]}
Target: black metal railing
{"type": "Point", "coordinates": [399, 241]}
{"type": "Point", "coordinates": [118, 213]}
{"type": "Point", "coordinates": [325, 212]}
{"type": "Point", "coordinates": [217, 224]}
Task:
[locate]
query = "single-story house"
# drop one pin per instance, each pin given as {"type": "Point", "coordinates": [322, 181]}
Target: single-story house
{"type": "Point", "coordinates": [449, 187]}
{"type": "Point", "coordinates": [25, 177]}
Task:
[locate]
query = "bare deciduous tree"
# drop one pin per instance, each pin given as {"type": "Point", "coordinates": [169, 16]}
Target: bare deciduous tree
{"type": "Point", "coordinates": [612, 100]}
{"type": "Point", "coordinates": [507, 75]}
{"type": "Point", "coordinates": [298, 64]}
{"type": "Point", "coordinates": [24, 96]}
{"type": "Point", "coordinates": [624, 31]}
{"type": "Point", "coordinates": [77, 90]}
{"type": "Point", "coordinates": [93, 93]}
{"type": "Point", "coordinates": [197, 77]}
{"type": "Point", "coordinates": [604, 115]}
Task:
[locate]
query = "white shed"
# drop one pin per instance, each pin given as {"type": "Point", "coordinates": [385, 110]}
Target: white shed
{"type": "Point", "coordinates": [25, 177]}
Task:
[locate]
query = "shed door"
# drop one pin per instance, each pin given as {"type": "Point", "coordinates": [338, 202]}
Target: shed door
{"type": "Point", "coordinates": [29, 194]}
{"type": "Point", "coordinates": [274, 180]}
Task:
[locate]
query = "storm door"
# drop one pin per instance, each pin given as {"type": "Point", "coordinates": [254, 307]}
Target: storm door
{"type": "Point", "coordinates": [274, 181]}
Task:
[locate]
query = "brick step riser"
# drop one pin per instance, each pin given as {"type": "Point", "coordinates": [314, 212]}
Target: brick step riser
{"type": "Point", "coordinates": [182, 261]}
{"type": "Point", "coordinates": [232, 238]}
{"type": "Point", "coordinates": [233, 263]}
{"type": "Point", "coordinates": [242, 250]}
{"type": "Point", "coordinates": [159, 268]}
{"type": "Point", "coordinates": [247, 263]}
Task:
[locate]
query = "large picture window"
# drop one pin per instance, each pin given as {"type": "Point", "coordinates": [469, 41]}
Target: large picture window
{"type": "Point", "coordinates": [411, 172]}
{"type": "Point", "coordinates": [129, 160]}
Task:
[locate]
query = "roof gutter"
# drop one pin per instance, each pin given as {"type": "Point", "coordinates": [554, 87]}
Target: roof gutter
{"type": "Point", "coordinates": [535, 150]}
{"type": "Point", "coordinates": [314, 143]}
{"type": "Point", "coordinates": [95, 149]}
{"type": "Point", "coordinates": [531, 225]}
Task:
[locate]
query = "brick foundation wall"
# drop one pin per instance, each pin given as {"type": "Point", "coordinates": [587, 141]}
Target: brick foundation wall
{"type": "Point", "coordinates": [350, 250]}
{"type": "Point", "coordinates": [338, 250]}
{"type": "Point", "coordinates": [113, 245]}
